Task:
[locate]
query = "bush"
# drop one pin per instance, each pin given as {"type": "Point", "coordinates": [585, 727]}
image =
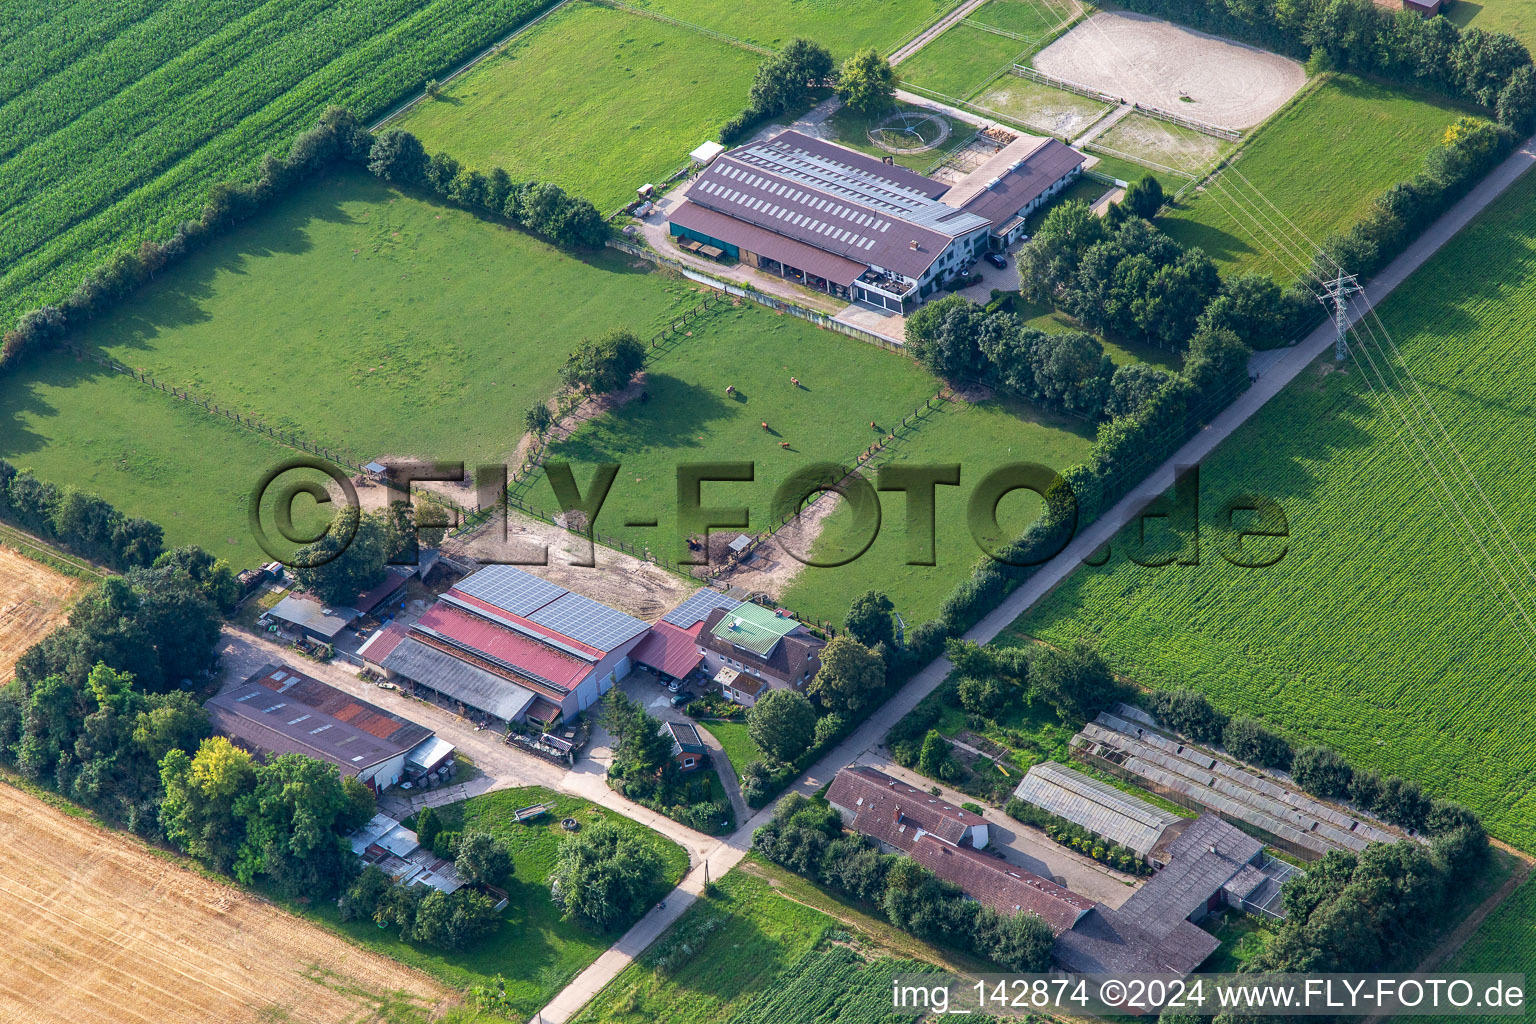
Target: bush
{"type": "Point", "coordinates": [1248, 740]}
{"type": "Point", "coordinates": [1321, 772]}
{"type": "Point", "coordinates": [1188, 712]}
{"type": "Point", "coordinates": [782, 723]}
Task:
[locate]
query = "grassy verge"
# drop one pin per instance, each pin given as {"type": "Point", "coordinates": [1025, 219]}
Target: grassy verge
{"type": "Point", "coordinates": [736, 741]}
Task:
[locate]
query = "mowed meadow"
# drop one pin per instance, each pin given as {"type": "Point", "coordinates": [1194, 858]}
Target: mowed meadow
{"type": "Point", "coordinates": [358, 317]}
{"type": "Point", "coordinates": [598, 100]}
{"type": "Point", "coordinates": [1383, 632]}
{"type": "Point", "coordinates": [1320, 161]}
{"type": "Point", "coordinates": [842, 26]}
{"type": "Point", "coordinates": [115, 119]}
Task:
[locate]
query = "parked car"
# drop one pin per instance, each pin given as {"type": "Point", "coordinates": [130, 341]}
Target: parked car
{"type": "Point", "coordinates": [674, 686]}
{"type": "Point", "coordinates": [997, 259]}
{"type": "Point", "coordinates": [682, 700]}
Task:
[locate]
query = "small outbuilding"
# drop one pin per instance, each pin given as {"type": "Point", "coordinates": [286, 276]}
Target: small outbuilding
{"type": "Point", "coordinates": [309, 616]}
{"type": "Point", "coordinates": [1098, 807]}
{"type": "Point", "coordinates": [688, 749]}
{"type": "Point", "coordinates": [706, 153]}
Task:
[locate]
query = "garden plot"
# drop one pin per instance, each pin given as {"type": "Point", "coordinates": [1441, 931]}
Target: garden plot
{"type": "Point", "coordinates": [1156, 63]}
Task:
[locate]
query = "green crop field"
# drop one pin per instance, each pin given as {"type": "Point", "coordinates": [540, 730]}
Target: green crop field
{"type": "Point", "coordinates": [689, 418]}
{"type": "Point", "coordinates": [961, 60]}
{"type": "Point", "coordinates": [754, 953]}
{"type": "Point", "coordinates": [535, 952]}
{"type": "Point", "coordinates": [980, 438]}
{"type": "Point", "coordinates": [842, 26]}
{"type": "Point", "coordinates": [596, 99]}
{"type": "Point", "coordinates": [115, 119]}
{"type": "Point", "coordinates": [1505, 943]}
{"type": "Point", "coordinates": [1320, 161]}
{"type": "Point", "coordinates": [1383, 631]}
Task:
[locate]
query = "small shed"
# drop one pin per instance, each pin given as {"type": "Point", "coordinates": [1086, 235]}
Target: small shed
{"type": "Point", "coordinates": [301, 613]}
{"type": "Point", "coordinates": [706, 153]}
{"type": "Point", "coordinates": [688, 749]}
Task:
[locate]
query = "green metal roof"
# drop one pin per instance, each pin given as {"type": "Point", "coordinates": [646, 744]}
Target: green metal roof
{"type": "Point", "coordinates": [753, 627]}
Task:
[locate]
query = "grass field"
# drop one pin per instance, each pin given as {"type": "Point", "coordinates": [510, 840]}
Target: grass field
{"type": "Point", "coordinates": [1064, 113]}
{"type": "Point", "coordinates": [415, 328]}
{"type": "Point", "coordinates": [754, 953]}
{"type": "Point", "coordinates": [842, 26]}
{"type": "Point", "coordinates": [535, 952]}
{"type": "Point", "coordinates": [961, 60]}
{"type": "Point", "coordinates": [116, 119]}
{"type": "Point", "coordinates": [596, 99]}
{"type": "Point", "coordinates": [689, 418]}
{"type": "Point", "coordinates": [104, 929]}
{"type": "Point", "coordinates": [980, 438]}
{"type": "Point", "coordinates": [1024, 17]}
{"type": "Point", "coordinates": [1517, 17]}
{"type": "Point", "coordinates": [740, 749]}
{"type": "Point", "coordinates": [1378, 633]}
{"type": "Point", "coordinates": [1321, 161]}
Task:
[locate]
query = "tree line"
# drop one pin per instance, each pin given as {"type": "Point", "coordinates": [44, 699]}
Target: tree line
{"type": "Point", "coordinates": [78, 522]}
{"type": "Point", "coordinates": [806, 836]}
{"type": "Point", "coordinates": [540, 208]}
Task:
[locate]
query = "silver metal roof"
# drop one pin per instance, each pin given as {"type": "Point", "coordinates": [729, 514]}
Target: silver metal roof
{"type": "Point", "coordinates": [1100, 808]}
{"type": "Point", "coordinates": [698, 606]}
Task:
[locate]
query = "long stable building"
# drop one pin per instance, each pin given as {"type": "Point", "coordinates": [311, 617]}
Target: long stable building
{"type": "Point", "coordinates": [860, 228]}
{"type": "Point", "coordinates": [510, 645]}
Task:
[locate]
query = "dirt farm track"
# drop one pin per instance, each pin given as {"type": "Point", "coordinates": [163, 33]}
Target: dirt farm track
{"type": "Point", "coordinates": [101, 931]}
{"type": "Point", "coordinates": [33, 599]}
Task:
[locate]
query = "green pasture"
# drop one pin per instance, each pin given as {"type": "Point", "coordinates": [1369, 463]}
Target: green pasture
{"type": "Point", "coordinates": [595, 99]}
{"type": "Point", "coordinates": [1030, 18]}
{"type": "Point", "coordinates": [1517, 17]}
{"type": "Point", "coordinates": [1320, 161]}
{"type": "Point", "coordinates": [980, 438]}
{"type": "Point", "coordinates": [1046, 107]}
{"type": "Point", "coordinates": [961, 60]}
{"type": "Point", "coordinates": [688, 417]}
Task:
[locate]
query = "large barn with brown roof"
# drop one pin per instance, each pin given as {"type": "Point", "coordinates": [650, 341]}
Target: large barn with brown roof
{"type": "Point", "coordinates": [859, 228]}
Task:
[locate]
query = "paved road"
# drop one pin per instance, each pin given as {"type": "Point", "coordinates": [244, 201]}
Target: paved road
{"type": "Point", "coordinates": [1278, 370]}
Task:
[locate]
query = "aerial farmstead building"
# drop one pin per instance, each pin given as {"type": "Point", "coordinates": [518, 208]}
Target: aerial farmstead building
{"type": "Point", "coordinates": [860, 228]}
{"type": "Point", "coordinates": [1096, 806]}
{"type": "Point", "coordinates": [280, 710]}
{"type": "Point", "coordinates": [511, 646]}
{"type": "Point", "coordinates": [748, 649]}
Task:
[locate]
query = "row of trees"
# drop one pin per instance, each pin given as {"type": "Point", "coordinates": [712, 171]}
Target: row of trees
{"type": "Point", "coordinates": [806, 836]}
{"type": "Point", "coordinates": [541, 208]}
{"type": "Point", "coordinates": [1120, 274]}
{"type": "Point", "coordinates": [1068, 833]}
{"type": "Point", "coordinates": [788, 81]}
{"type": "Point", "coordinates": [1491, 69]}
{"type": "Point", "coordinates": [1456, 832]}
{"type": "Point", "coordinates": [76, 521]}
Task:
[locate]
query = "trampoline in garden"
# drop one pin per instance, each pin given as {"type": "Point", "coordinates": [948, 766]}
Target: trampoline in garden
{"type": "Point", "coordinates": [909, 131]}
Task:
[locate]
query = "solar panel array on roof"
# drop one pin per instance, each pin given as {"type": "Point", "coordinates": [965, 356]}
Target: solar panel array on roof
{"type": "Point", "coordinates": [510, 589]}
{"type": "Point", "coordinates": [588, 621]}
{"type": "Point", "coordinates": [697, 608]}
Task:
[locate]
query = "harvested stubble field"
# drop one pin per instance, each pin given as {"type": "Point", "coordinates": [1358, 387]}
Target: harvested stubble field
{"type": "Point", "coordinates": [1156, 63]}
{"type": "Point", "coordinates": [1382, 632]}
{"type": "Point", "coordinates": [99, 930]}
{"type": "Point", "coordinates": [33, 600]}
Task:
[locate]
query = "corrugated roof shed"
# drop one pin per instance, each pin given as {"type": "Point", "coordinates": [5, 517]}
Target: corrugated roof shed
{"type": "Point", "coordinates": [669, 650]}
{"type": "Point", "coordinates": [458, 679]}
{"type": "Point", "coordinates": [893, 811]}
{"type": "Point", "coordinates": [1107, 942]}
{"type": "Point", "coordinates": [1203, 859]}
{"type": "Point", "coordinates": [311, 615]}
{"type": "Point", "coordinates": [1100, 808]}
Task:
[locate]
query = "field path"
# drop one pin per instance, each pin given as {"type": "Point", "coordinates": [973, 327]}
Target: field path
{"type": "Point", "coordinates": [933, 31]}
{"type": "Point", "coordinates": [1275, 369]}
